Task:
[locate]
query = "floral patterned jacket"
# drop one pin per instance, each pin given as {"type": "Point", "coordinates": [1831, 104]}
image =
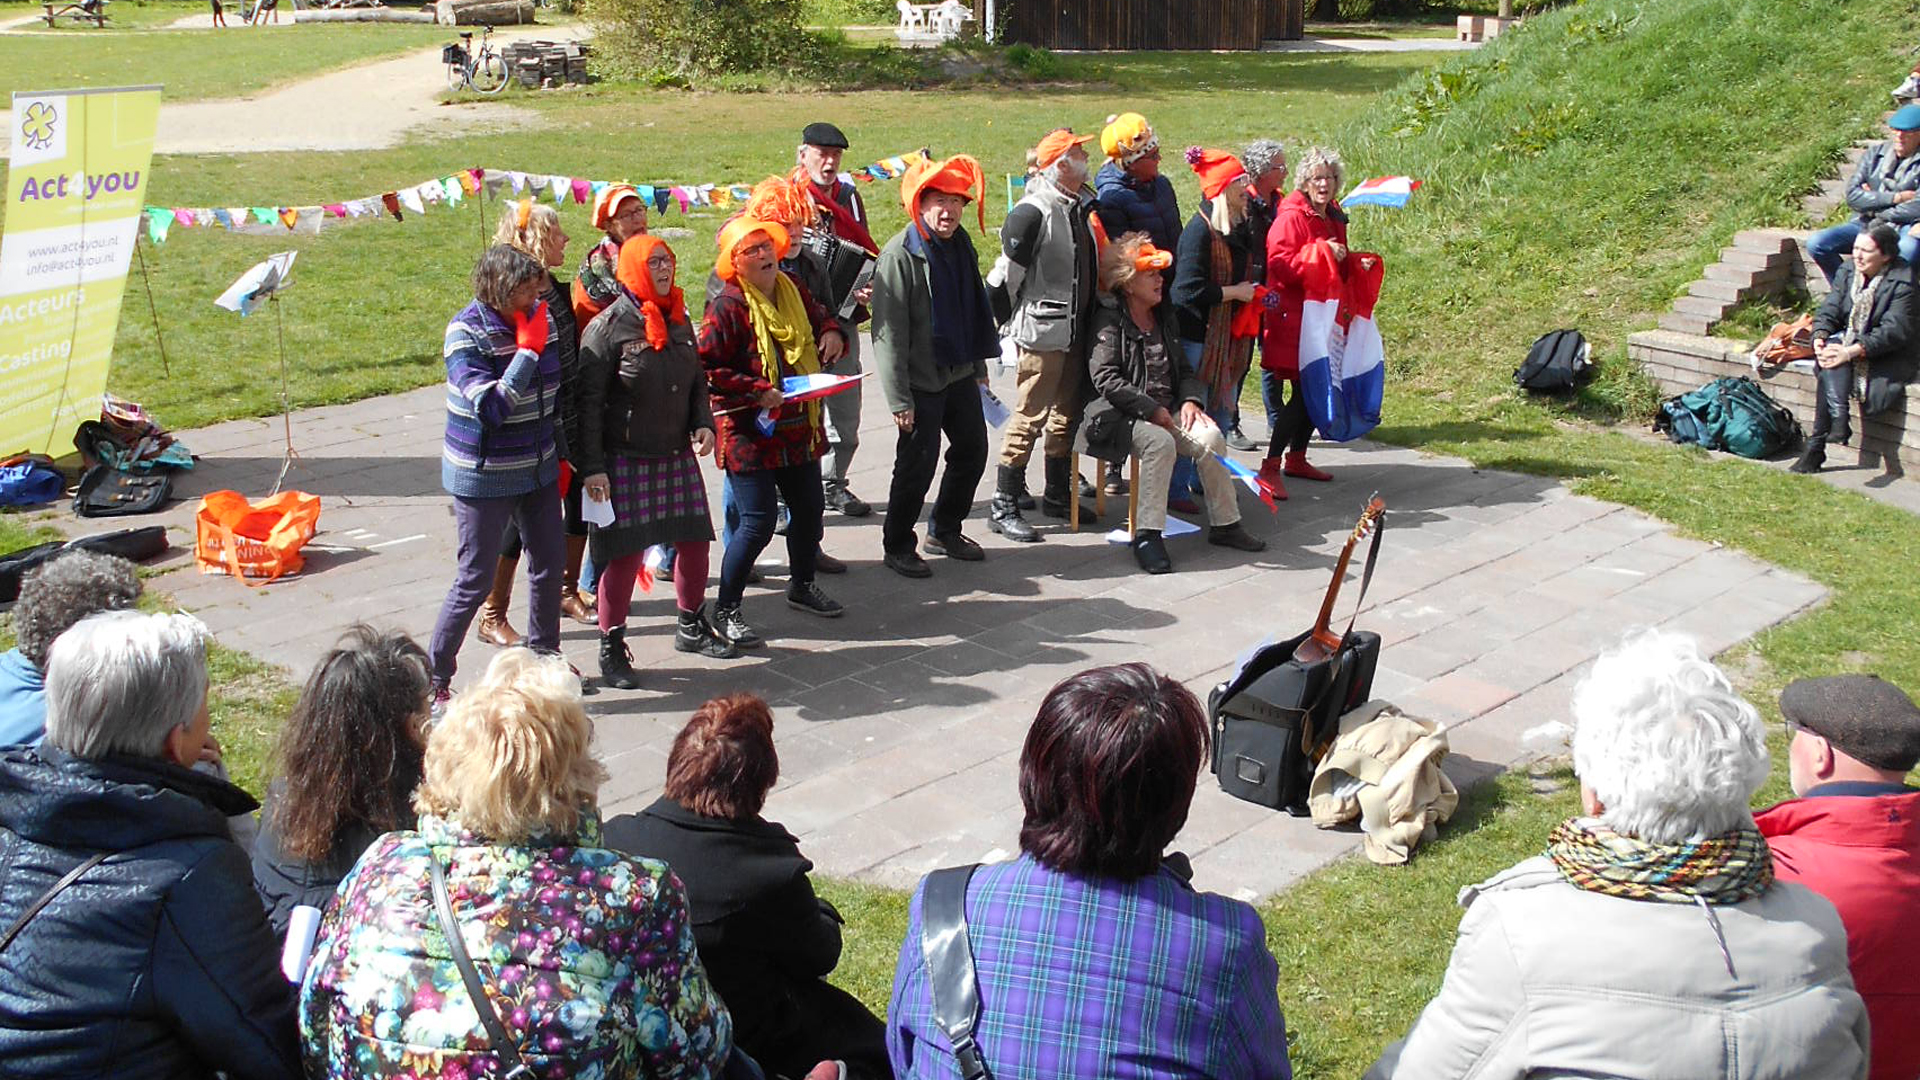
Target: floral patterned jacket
{"type": "Point", "coordinates": [587, 954]}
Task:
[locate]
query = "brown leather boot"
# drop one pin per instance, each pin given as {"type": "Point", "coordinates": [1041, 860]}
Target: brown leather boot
{"type": "Point", "coordinates": [493, 627]}
{"type": "Point", "coordinates": [573, 604]}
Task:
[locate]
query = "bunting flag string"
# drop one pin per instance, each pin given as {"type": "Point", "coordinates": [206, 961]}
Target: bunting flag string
{"type": "Point", "coordinates": [451, 189]}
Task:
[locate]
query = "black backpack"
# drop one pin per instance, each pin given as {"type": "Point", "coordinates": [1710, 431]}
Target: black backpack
{"type": "Point", "coordinates": [1556, 363]}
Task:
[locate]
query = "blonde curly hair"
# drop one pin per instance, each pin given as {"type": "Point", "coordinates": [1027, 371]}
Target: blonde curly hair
{"type": "Point", "coordinates": [531, 238]}
{"type": "Point", "coordinates": [513, 757]}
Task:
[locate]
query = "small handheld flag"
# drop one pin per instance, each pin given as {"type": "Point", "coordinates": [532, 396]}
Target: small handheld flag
{"type": "Point", "coordinates": [1381, 191]}
{"type": "Point", "coordinates": [1252, 479]}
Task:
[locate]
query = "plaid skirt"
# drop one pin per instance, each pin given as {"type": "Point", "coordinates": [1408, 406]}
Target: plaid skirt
{"type": "Point", "coordinates": [655, 501]}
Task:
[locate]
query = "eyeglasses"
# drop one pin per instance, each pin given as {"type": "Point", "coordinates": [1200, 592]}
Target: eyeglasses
{"type": "Point", "coordinates": [754, 251]}
{"type": "Point", "coordinates": [660, 262]}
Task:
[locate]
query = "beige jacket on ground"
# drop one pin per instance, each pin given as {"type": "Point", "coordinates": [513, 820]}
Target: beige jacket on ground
{"type": "Point", "coordinates": [1384, 772]}
{"type": "Point", "coordinates": [1550, 980]}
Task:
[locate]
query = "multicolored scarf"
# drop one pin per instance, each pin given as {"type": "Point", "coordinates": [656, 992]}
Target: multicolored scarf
{"type": "Point", "coordinates": [1724, 869]}
{"type": "Point", "coordinates": [1224, 355]}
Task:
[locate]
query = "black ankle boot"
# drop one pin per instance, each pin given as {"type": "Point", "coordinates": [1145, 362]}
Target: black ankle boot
{"type": "Point", "coordinates": [1150, 552]}
{"type": "Point", "coordinates": [1811, 459]}
{"type": "Point", "coordinates": [1003, 514]}
{"type": "Point", "coordinates": [696, 635]}
{"type": "Point", "coordinates": [616, 662]}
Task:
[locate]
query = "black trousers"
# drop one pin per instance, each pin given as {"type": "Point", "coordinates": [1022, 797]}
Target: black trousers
{"type": "Point", "coordinates": [1292, 427]}
{"type": "Point", "coordinates": [1832, 411]}
{"type": "Point", "coordinates": [954, 412]}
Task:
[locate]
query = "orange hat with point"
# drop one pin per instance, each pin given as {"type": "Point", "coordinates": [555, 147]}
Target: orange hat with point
{"type": "Point", "coordinates": [958, 175]}
{"type": "Point", "coordinates": [1216, 169]}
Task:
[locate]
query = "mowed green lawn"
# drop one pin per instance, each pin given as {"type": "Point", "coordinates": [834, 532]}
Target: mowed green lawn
{"type": "Point", "coordinates": [196, 64]}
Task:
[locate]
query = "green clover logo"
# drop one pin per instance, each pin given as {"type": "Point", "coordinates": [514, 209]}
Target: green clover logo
{"type": "Point", "coordinates": [36, 126]}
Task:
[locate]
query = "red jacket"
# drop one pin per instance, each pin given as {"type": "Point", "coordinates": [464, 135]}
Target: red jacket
{"type": "Point", "coordinates": [1862, 852]}
{"type": "Point", "coordinates": [1295, 227]}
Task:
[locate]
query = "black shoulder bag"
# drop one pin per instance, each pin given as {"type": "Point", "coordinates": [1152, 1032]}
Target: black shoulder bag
{"type": "Point", "coordinates": [949, 956]}
{"type": "Point", "coordinates": [504, 1045]}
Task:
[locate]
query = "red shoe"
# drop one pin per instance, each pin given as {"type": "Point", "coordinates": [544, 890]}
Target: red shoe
{"type": "Point", "coordinates": [1269, 478]}
{"type": "Point", "coordinates": [1296, 465]}
{"type": "Point", "coordinates": [828, 1070]}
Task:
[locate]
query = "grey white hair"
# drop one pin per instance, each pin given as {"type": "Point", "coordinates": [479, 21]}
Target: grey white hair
{"type": "Point", "coordinates": [68, 588]}
{"type": "Point", "coordinates": [1314, 159]}
{"type": "Point", "coordinates": [1261, 155]}
{"type": "Point", "coordinates": [120, 681]}
{"type": "Point", "coordinates": [1055, 173]}
{"type": "Point", "coordinates": [1666, 745]}
{"type": "Point", "coordinates": [501, 270]}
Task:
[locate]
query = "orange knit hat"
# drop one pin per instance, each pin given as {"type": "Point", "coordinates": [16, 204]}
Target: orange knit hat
{"type": "Point", "coordinates": [958, 175]}
{"type": "Point", "coordinates": [1216, 168]}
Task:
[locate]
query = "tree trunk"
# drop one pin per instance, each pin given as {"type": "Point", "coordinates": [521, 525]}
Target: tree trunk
{"type": "Point", "coordinates": [478, 12]}
{"type": "Point", "coordinates": [1506, 9]}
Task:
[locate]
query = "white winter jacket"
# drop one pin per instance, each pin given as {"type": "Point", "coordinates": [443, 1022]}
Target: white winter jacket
{"type": "Point", "coordinates": [1551, 980]}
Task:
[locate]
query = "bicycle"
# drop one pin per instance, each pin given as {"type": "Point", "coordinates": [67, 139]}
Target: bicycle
{"type": "Point", "coordinates": [484, 70]}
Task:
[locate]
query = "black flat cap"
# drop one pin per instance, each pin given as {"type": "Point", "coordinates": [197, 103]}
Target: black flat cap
{"type": "Point", "coordinates": [1863, 716]}
{"type": "Point", "coordinates": [823, 134]}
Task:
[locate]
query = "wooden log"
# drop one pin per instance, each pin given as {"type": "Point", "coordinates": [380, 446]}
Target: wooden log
{"type": "Point", "coordinates": [483, 12]}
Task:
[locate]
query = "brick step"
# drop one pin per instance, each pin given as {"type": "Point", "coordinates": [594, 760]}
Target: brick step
{"type": "Point", "coordinates": [1709, 289]}
{"type": "Point", "coordinates": [1697, 305]}
{"type": "Point", "coordinates": [1753, 260]}
{"type": "Point", "coordinates": [1765, 241]}
{"type": "Point", "coordinates": [1684, 323]}
{"type": "Point", "coordinates": [1761, 280]}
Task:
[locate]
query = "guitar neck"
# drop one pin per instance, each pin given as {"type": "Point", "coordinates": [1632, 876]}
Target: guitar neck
{"type": "Point", "coordinates": [1322, 631]}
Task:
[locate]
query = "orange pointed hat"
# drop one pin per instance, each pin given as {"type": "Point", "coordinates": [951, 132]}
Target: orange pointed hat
{"type": "Point", "coordinates": [958, 175]}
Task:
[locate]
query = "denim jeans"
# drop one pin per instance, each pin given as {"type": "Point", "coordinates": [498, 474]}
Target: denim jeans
{"type": "Point", "coordinates": [756, 494]}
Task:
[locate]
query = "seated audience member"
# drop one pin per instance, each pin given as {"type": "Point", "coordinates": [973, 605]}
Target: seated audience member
{"type": "Point", "coordinates": [1864, 341]}
{"type": "Point", "coordinates": [767, 941]}
{"type": "Point", "coordinates": [349, 759]}
{"type": "Point", "coordinates": [1094, 955]}
{"type": "Point", "coordinates": [1853, 836]}
{"type": "Point", "coordinates": [57, 595]}
{"type": "Point", "coordinates": [1139, 371]}
{"type": "Point", "coordinates": [1652, 939]}
{"type": "Point", "coordinates": [154, 959]}
{"type": "Point", "coordinates": [585, 954]}
{"type": "Point", "coordinates": [1881, 192]}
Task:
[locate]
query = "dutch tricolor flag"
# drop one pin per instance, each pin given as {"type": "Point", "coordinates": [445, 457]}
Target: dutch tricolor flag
{"type": "Point", "coordinates": [1342, 360]}
{"type": "Point", "coordinates": [798, 388]}
{"type": "Point", "coordinates": [1381, 191]}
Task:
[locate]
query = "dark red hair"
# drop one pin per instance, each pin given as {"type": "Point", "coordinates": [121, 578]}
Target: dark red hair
{"type": "Point", "coordinates": [1108, 771]}
{"type": "Point", "coordinates": [723, 762]}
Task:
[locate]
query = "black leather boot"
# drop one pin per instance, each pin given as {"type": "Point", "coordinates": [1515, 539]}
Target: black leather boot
{"type": "Point", "coordinates": [1151, 552]}
{"type": "Point", "coordinates": [616, 662]}
{"type": "Point", "coordinates": [696, 635]}
{"type": "Point", "coordinates": [1003, 514]}
{"type": "Point", "coordinates": [1814, 456]}
{"type": "Point", "coordinates": [1055, 500]}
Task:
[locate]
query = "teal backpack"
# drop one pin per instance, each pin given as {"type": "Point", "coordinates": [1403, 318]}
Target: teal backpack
{"type": "Point", "coordinates": [1731, 414]}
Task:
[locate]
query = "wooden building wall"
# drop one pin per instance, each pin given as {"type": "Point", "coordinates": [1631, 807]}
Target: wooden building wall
{"type": "Point", "coordinates": [1148, 24]}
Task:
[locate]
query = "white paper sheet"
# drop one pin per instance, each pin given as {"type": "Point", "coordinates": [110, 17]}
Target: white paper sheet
{"type": "Point", "coordinates": [302, 928]}
{"type": "Point", "coordinates": [597, 511]}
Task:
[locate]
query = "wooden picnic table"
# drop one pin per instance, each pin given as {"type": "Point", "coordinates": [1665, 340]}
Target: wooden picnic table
{"type": "Point", "coordinates": [94, 11]}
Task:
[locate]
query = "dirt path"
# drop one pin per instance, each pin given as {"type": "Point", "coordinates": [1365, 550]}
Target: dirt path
{"type": "Point", "coordinates": [370, 107]}
{"type": "Point", "coordinates": [373, 106]}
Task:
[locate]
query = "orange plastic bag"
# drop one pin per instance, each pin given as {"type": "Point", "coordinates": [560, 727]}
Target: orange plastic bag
{"type": "Point", "coordinates": [254, 540]}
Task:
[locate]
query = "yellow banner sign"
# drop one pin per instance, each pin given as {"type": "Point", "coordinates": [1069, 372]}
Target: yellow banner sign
{"type": "Point", "coordinates": [75, 186]}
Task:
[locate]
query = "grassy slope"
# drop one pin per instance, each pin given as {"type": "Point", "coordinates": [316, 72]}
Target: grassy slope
{"type": "Point", "coordinates": [198, 64]}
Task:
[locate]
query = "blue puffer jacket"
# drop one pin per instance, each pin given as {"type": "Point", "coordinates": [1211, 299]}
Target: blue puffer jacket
{"type": "Point", "coordinates": [1128, 206]}
{"type": "Point", "coordinates": [155, 965]}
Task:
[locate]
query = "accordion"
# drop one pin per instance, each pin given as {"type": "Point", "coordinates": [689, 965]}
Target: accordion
{"type": "Point", "coordinates": [848, 266]}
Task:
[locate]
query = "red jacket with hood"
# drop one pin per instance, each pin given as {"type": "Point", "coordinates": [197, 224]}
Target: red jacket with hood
{"type": "Point", "coordinates": [1862, 852]}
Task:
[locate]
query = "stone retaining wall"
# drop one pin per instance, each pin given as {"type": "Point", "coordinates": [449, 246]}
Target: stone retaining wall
{"type": "Point", "coordinates": [1682, 362]}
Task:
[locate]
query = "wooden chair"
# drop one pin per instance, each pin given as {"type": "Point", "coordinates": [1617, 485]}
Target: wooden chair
{"type": "Point", "coordinates": [1100, 493]}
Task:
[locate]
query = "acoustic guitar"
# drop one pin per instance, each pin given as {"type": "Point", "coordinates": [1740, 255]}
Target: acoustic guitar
{"type": "Point", "coordinates": [1322, 642]}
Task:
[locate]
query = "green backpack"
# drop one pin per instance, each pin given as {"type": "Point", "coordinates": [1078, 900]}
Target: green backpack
{"type": "Point", "coordinates": [1731, 414]}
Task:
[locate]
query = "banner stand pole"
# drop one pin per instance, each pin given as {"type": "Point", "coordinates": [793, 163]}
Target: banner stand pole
{"type": "Point", "coordinates": [480, 211]}
{"type": "Point", "coordinates": [286, 402]}
{"type": "Point", "coordinates": [154, 310]}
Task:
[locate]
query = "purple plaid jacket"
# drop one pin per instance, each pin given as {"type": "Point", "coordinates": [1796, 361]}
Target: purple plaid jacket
{"type": "Point", "coordinates": [1100, 978]}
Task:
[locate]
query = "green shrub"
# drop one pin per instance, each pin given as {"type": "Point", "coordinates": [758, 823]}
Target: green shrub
{"type": "Point", "coordinates": [1035, 62]}
{"type": "Point", "coordinates": [683, 40]}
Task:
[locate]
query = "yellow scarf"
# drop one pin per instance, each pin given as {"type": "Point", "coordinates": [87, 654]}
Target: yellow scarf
{"type": "Point", "coordinates": [781, 329]}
